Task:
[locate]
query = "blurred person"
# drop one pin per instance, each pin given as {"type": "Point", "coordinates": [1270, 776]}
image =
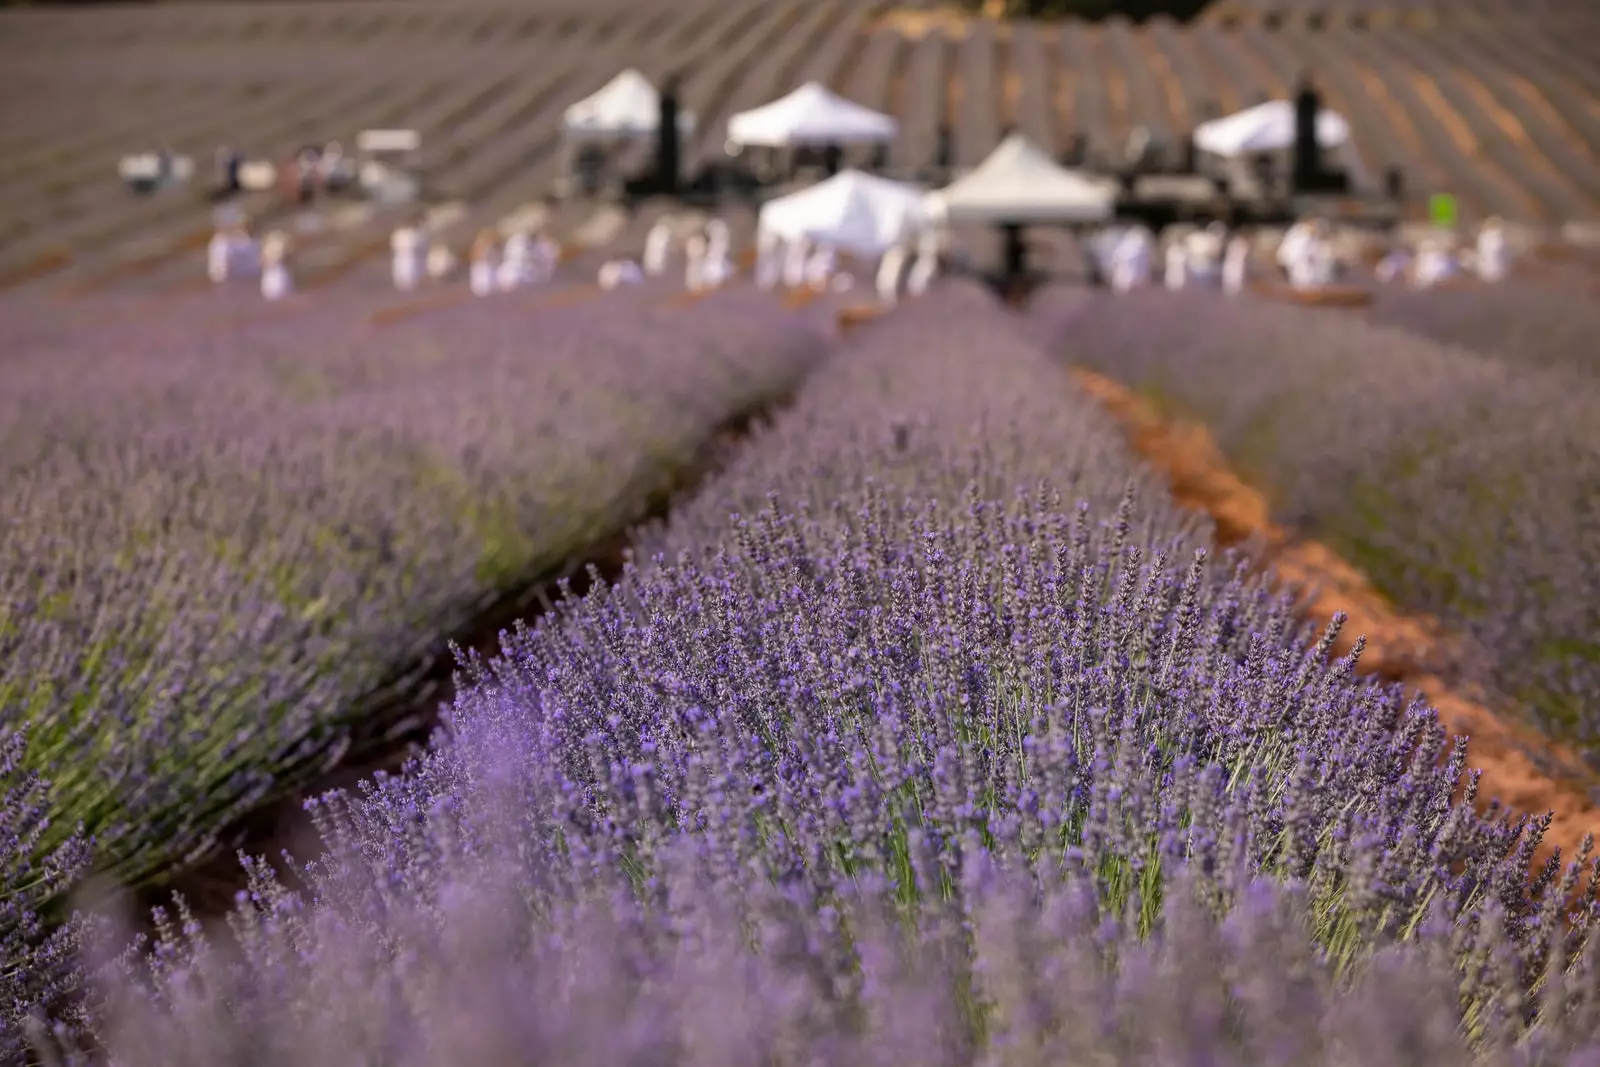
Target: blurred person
{"type": "Point", "coordinates": [1315, 264]}
{"type": "Point", "coordinates": [231, 252]}
{"type": "Point", "coordinates": [484, 259]}
{"type": "Point", "coordinates": [1292, 244]}
{"type": "Point", "coordinates": [1493, 251]}
{"type": "Point", "coordinates": [229, 164]}
{"type": "Point", "coordinates": [925, 268]}
{"type": "Point", "coordinates": [1396, 265]}
{"type": "Point", "coordinates": [1130, 259]}
{"type": "Point", "coordinates": [658, 249]}
{"type": "Point", "coordinates": [276, 281]}
{"type": "Point", "coordinates": [717, 267]}
{"type": "Point", "coordinates": [516, 262]}
{"type": "Point", "coordinates": [694, 255]}
{"type": "Point", "coordinates": [441, 262]}
{"type": "Point", "coordinates": [1435, 263]}
{"type": "Point", "coordinates": [1236, 265]}
{"type": "Point", "coordinates": [1203, 255]}
{"type": "Point", "coordinates": [307, 161]}
{"type": "Point", "coordinates": [333, 169]}
{"type": "Point", "coordinates": [890, 269]}
{"type": "Point", "coordinates": [718, 239]}
{"type": "Point", "coordinates": [796, 258]}
{"type": "Point", "coordinates": [1176, 274]}
{"type": "Point", "coordinates": [409, 246]}
{"type": "Point", "coordinates": [619, 272]}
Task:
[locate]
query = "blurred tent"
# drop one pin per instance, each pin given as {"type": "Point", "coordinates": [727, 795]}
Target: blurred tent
{"type": "Point", "coordinates": [626, 110]}
{"type": "Point", "coordinates": [627, 106]}
{"type": "Point", "coordinates": [149, 171]}
{"type": "Point", "coordinates": [1268, 127]}
{"type": "Point", "coordinates": [853, 211]}
{"type": "Point", "coordinates": [1018, 183]}
{"type": "Point", "coordinates": [811, 115]}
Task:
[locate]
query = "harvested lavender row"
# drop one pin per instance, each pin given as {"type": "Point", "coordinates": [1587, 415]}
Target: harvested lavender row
{"type": "Point", "coordinates": [1526, 323]}
{"type": "Point", "coordinates": [900, 757]}
{"type": "Point", "coordinates": [191, 615]}
{"type": "Point", "coordinates": [1463, 486]}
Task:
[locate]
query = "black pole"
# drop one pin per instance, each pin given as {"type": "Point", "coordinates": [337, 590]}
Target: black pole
{"type": "Point", "coordinates": [668, 159]}
{"type": "Point", "coordinates": [1014, 252]}
{"type": "Point", "coordinates": [944, 150]}
{"type": "Point", "coordinates": [832, 159]}
{"type": "Point", "coordinates": [1307, 153]}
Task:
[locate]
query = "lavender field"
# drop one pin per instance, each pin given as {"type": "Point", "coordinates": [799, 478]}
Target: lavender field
{"type": "Point", "coordinates": [1463, 481]}
{"type": "Point", "coordinates": [928, 729]}
{"type": "Point", "coordinates": [635, 678]}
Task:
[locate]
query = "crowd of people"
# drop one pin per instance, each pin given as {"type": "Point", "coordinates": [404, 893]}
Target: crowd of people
{"type": "Point", "coordinates": [1306, 257]}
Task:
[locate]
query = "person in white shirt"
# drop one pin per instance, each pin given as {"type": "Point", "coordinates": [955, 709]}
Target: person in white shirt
{"type": "Point", "coordinates": [546, 254]}
{"type": "Point", "coordinates": [718, 238]}
{"type": "Point", "coordinates": [1130, 260]}
{"type": "Point", "coordinates": [484, 262]}
{"type": "Point", "coordinates": [516, 262]}
{"type": "Point", "coordinates": [658, 249]}
{"type": "Point", "coordinates": [410, 249]}
{"type": "Point", "coordinates": [1236, 265]}
{"type": "Point", "coordinates": [1494, 252]}
{"type": "Point", "coordinates": [1177, 269]}
{"type": "Point", "coordinates": [926, 266]}
{"type": "Point", "coordinates": [1436, 263]}
{"type": "Point", "coordinates": [1292, 244]}
{"type": "Point", "coordinates": [619, 272]}
{"type": "Point", "coordinates": [1203, 256]}
{"type": "Point", "coordinates": [890, 268]}
{"type": "Point", "coordinates": [1314, 264]}
{"type": "Point", "coordinates": [276, 282]}
{"type": "Point", "coordinates": [694, 254]}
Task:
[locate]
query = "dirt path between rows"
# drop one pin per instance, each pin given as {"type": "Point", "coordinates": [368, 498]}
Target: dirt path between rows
{"type": "Point", "coordinates": [1521, 768]}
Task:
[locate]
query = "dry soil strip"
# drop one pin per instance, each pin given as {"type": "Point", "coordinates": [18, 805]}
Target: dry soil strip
{"type": "Point", "coordinates": [1521, 769]}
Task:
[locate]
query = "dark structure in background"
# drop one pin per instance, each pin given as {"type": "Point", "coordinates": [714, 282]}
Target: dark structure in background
{"type": "Point", "coordinates": [1137, 10]}
{"type": "Point", "coordinates": [669, 158]}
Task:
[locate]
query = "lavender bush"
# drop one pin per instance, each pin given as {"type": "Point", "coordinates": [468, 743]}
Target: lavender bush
{"type": "Point", "coordinates": [1527, 323]}
{"type": "Point", "coordinates": [1464, 486]}
{"type": "Point", "coordinates": [231, 547]}
{"type": "Point", "coordinates": [884, 752]}
{"type": "Point", "coordinates": [37, 968]}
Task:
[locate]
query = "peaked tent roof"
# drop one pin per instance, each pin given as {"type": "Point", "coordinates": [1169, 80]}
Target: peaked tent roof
{"type": "Point", "coordinates": [1268, 127]}
{"type": "Point", "coordinates": [1019, 183]}
{"type": "Point", "coordinates": [811, 115]}
{"type": "Point", "coordinates": [854, 211]}
{"type": "Point", "coordinates": [626, 105]}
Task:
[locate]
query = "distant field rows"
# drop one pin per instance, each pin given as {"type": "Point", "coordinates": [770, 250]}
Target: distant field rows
{"type": "Point", "coordinates": [1505, 117]}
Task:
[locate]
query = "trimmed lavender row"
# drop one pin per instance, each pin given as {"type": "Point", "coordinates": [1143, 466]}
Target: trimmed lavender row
{"type": "Point", "coordinates": [891, 755]}
{"type": "Point", "coordinates": [1528, 324]}
{"type": "Point", "coordinates": [192, 615]}
{"type": "Point", "coordinates": [1463, 486]}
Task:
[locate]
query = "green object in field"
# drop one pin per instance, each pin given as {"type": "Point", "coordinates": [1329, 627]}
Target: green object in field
{"type": "Point", "coordinates": [1442, 210]}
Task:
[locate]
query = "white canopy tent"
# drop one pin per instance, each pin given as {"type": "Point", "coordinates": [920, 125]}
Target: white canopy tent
{"type": "Point", "coordinates": [1268, 127]}
{"type": "Point", "coordinates": [627, 106]}
{"type": "Point", "coordinates": [811, 115]}
{"type": "Point", "coordinates": [853, 211]}
{"type": "Point", "coordinates": [1018, 183]}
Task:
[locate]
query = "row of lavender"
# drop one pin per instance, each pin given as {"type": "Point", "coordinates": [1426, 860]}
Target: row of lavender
{"type": "Point", "coordinates": [220, 543]}
{"type": "Point", "coordinates": [1466, 486]}
{"type": "Point", "coordinates": [926, 734]}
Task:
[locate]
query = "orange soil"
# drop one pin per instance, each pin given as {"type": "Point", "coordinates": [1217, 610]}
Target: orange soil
{"type": "Point", "coordinates": [1520, 768]}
